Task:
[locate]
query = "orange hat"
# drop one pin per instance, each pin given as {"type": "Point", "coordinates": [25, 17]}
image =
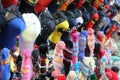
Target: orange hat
{"type": "Point", "coordinates": [7, 3]}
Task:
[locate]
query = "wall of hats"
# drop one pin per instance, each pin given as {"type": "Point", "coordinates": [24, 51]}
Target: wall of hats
{"type": "Point", "coordinates": [59, 39]}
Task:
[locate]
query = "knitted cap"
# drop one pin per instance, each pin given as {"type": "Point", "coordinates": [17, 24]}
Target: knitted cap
{"type": "Point", "coordinates": [5, 54]}
{"type": "Point", "coordinates": [71, 18]}
{"type": "Point", "coordinates": [41, 5]}
{"type": "Point", "coordinates": [7, 3]}
{"type": "Point", "coordinates": [86, 14]}
{"type": "Point", "coordinates": [59, 17]}
{"type": "Point", "coordinates": [33, 28]}
{"type": "Point", "coordinates": [47, 22]}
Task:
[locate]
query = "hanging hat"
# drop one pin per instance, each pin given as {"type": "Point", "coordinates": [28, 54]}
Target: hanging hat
{"type": "Point", "coordinates": [71, 18]}
{"type": "Point", "coordinates": [80, 3]}
{"type": "Point", "coordinates": [112, 12]}
{"type": "Point", "coordinates": [111, 74]}
{"type": "Point", "coordinates": [62, 25]}
{"type": "Point", "coordinates": [82, 43]}
{"type": "Point", "coordinates": [93, 77]}
{"type": "Point", "coordinates": [33, 28]}
{"type": "Point", "coordinates": [47, 22]}
{"type": "Point", "coordinates": [61, 77]}
{"type": "Point", "coordinates": [41, 5]}
{"type": "Point", "coordinates": [53, 6]}
{"type": "Point", "coordinates": [78, 15]}
{"type": "Point", "coordinates": [97, 3]}
{"type": "Point", "coordinates": [5, 54]}
{"type": "Point", "coordinates": [109, 33]}
{"type": "Point", "coordinates": [7, 3]}
{"type": "Point", "coordinates": [66, 38]}
{"type": "Point", "coordinates": [64, 5]}
{"type": "Point", "coordinates": [86, 14]}
{"type": "Point", "coordinates": [72, 75]}
{"type": "Point", "coordinates": [117, 4]}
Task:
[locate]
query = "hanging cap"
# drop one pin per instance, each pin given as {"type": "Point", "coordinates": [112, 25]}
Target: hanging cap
{"type": "Point", "coordinates": [7, 3]}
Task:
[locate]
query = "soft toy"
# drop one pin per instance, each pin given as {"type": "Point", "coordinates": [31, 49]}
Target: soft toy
{"type": "Point", "coordinates": [48, 25]}
{"type": "Point", "coordinates": [74, 35]}
{"type": "Point", "coordinates": [61, 26]}
{"type": "Point", "coordinates": [5, 64]}
{"type": "Point", "coordinates": [58, 58]}
{"type": "Point", "coordinates": [71, 18]}
{"type": "Point", "coordinates": [91, 41]}
{"type": "Point", "coordinates": [33, 28]}
{"type": "Point", "coordinates": [27, 67]}
{"type": "Point", "coordinates": [36, 6]}
{"type": "Point", "coordinates": [65, 4]}
{"type": "Point", "coordinates": [67, 52]}
{"type": "Point", "coordinates": [14, 27]}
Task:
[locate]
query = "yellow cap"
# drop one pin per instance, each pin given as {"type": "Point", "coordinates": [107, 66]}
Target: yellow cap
{"type": "Point", "coordinates": [55, 35]}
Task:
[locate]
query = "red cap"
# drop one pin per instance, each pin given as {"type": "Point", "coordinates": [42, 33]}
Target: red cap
{"type": "Point", "coordinates": [101, 53]}
{"type": "Point", "coordinates": [108, 35]}
{"type": "Point", "coordinates": [41, 5]}
{"type": "Point", "coordinates": [7, 3]}
{"type": "Point", "coordinates": [62, 77]}
{"type": "Point", "coordinates": [90, 24]}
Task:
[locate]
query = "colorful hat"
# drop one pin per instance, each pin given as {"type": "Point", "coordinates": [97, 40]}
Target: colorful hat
{"type": "Point", "coordinates": [33, 28]}
{"type": "Point", "coordinates": [71, 18]}
{"type": "Point", "coordinates": [53, 6]}
{"type": "Point", "coordinates": [7, 3]}
{"type": "Point", "coordinates": [61, 26]}
{"type": "Point", "coordinates": [5, 54]}
{"type": "Point", "coordinates": [80, 3]}
{"type": "Point", "coordinates": [111, 74]}
{"type": "Point", "coordinates": [86, 14]}
{"type": "Point", "coordinates": [78, 15]}
{"type": "Point", "coordinates": [8, 37]}
{"type": "Point", "coordinates": [47, 22]}
{"type": "Point", "coordinates": [82, 39]}
{"type": "Point", "coordinates": [41, 5]}
{"type": "Point", "coordinates": [97, 3]}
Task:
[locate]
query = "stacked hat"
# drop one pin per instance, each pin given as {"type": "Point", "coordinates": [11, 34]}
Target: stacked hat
{"type": "Point", "coordinates": [14, 28]}
{"type": "Point", "coordinates": [97, 3]}
{"type": "Point", "coordinates": [5, 64]}
{"type": "Point", "coordinates": [82, 44]}
{"type": "Point", "coordinates": [53, 6]}
{"type": "Point", "coordinates": [62, 25]}
{"type": "Point", "coordinates": [7, 3]}
{"type": "Point", "coordinates": [71, 18]}
{"type": "Point", "coordinates": [111, 74]}
{"type": "Point", "coordinates": [33, 28]}
{"type": "Point", "coordinates": [41, 5]}
{"type": "Point", "coordinates": [58, 58]}
{"type": "Point", "coordinates": [47, 27]}
{"type": "Point", "coordinates": [78, 15]}
{"type": "Point", "coordinates": [86, 14]}
{"type": "Point", "coordinates": [80, 3]}
{"type": "Point", "coordinates": [67, 52]}
{"type": "Point", "coordinates": [64, 5]}
{"type": "Point", "coordinates": [112, 12]}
